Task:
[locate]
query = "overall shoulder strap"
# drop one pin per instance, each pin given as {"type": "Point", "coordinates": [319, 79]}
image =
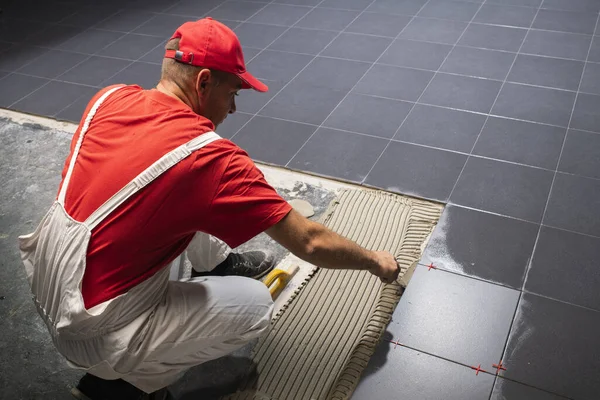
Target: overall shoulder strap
{"type": "Point", "coordinates": [148, 175]}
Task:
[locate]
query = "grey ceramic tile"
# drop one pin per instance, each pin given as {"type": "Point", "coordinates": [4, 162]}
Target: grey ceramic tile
{"type": "Point", "coordinates": [250, 101]}
{"type": "Point", "coordinates": [524, 3]}
{"type": "Point", "coordinates": [595, 50]}
{"type": "Point", "coordinates": [333, 73]}
{"type": "Point", "coordinates": [328, 19]}
{"type": "Point", "coordinates": [52, 12]}
{"type": "Point", "coordinates": [90, 41]}
{"type": "Point", "coordinates": [157, 54]}
{"type": "Point", "coordinates": [14, 87]}
{"type": "Point", "coordinates": [557, 44]}
{"type": "Point", "coordinates": [441, 127]}
{"type": "Point", "coordinates": [303, 103]}
{"type": "Point", "coordinates": [358, 5]}
{"type": "Point", "coordinates": [94, 70]}
{"type": "Point", "coordinates": [558, 250]}
{"type": "Point", "coordinates": [542, 352]}
{"type": "Point", "coordinates": [493, 37]}
{"type": "Point", "coordinates": [90, 15]}
{"type": "Point", "coordinates": [591, 6]}
{"type": "Point", "coordinates": [19, 57]}
{"type": "Point", "coordinates": [483, 63]}
{"type": "Point", "coordinates": [379, 24]}
{"type": "Point", "coordinates": [502, 188]}
{"type": "Point", "coordinates": [11, 30]}
{"type": "Point", "coordinates": [3, 74]}
{"type": "Point", "coordinates": [377, 82]}
{"type": "Point", "coordinates": [463, 242]}
{"type": "Point", "coordinates": [407, 7]}
{"type": "Point", "coordinates": [546, 71]}
{"type": "Point", "coordinates": [298, 40]}
{"type": "Point", "coordinates": [232, 124]}
{"type": "Point", "coordinates": [434, 30]}
{"type": "Point", "coordinates": [75, 110]}
{"type": "Point", "coordinates": [50, 99]}
{"type": "Point", "coordinates": [455, 317]}
{"type": "Point", "coordinates": [52, 63]}
{"type": "Point", "coordinates": [193, 8]}
{"type": "Point", "coordinates": [371, 115]}
{"type": "Point", "coordinates": [299, 2]}
{"type": "Point", "coordinates": [591, 75]}
{"type": "Point", "coordinates": [250, 53]}
{"type": "Point", "coordinates": [391, 370]}
{"type": "Point", "coordinates": [565, 21]}
{"type": "Point", "coordinates": [144, 74]}
{"type": "Point", "coordinates": [125, 20]}
{"type": "Point", "coordinates": [280, 14]}
{"type": "Point", "coordinates": [132, 46]}
{"type": "Point", "coordinates": [236, 10]}
{"type": "Point", "coordinates": [505, 389]}
{"type": "Point", "coordinates": [586, 114]}
{"type": "Point", "coordinates": [258, 35]}
{"type": "Point", "coordinates": [54, 36]}
{"type": "Point", "coordinates": [521, 142]}
{"type": "Point", "coordinates": [574, 204]}
{"type": "Point", "coordinates": [358, 47]}
{"type": "Point", "coordinates": [447, 9]}
{"type": "Point", "coordinates": [505, 15]}
{"type": "Point", "coordinates": [414, 54]}
{"type": "Point", "coordinates": [149, 5]}
{"type": "Point", "coordinates": [273, 141]}
{"type": "Point", "coordinates": [417, 171]}
{"type": "Point", "coordinates": [162, 25]}
{"type": "Point", "coordinates": [462, 92]}
{"type": "Point", "coordinates": [278, 66]}
{"type": "Point", "coordinates": [581, 154]}
{"type": "Point", "coordinates": [536, 104]}
{"type": "Point", "coordinates": [339, 154]}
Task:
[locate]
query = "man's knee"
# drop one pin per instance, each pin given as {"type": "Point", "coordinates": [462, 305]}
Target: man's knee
{"type": "Point", "coordinates": [260, 307]}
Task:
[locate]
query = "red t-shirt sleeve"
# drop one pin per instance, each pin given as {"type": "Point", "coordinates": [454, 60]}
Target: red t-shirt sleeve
{"type": "Point", "coordinates": [244, 204]}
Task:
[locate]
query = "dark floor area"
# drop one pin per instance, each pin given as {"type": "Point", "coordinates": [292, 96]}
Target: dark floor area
{"type": "Point", "coordinates": [492, 107]}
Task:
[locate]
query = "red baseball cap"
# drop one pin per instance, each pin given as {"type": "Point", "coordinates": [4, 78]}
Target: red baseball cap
{"type": "Point", "coordinates": [210, 44]}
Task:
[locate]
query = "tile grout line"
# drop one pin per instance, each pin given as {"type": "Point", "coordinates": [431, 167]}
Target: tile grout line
{"type": "Point", "coordinates": [423, 92]}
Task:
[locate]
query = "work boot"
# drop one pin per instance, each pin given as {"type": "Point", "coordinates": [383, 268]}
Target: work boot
{"type": "Point", "coordinates": [251, 264]}
{"type": "Point", "coordinates": [91, 387]}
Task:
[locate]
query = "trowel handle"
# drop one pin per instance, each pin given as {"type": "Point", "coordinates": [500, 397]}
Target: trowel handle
{"type": "Point", "coordinates": [278, 278]}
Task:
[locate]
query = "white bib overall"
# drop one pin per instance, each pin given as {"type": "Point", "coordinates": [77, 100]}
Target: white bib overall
{"type": "Point", "coordinates": [152, 334]}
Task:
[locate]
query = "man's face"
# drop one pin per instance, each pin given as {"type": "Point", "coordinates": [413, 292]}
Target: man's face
{"type": "Point", "coordinates": [217, 97]}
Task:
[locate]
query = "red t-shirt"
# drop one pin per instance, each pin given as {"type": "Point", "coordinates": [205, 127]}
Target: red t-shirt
{"type": "Point", "coordinates": [217, 190]}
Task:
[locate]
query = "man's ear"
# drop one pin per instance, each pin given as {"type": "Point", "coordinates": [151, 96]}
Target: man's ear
{"type": "Point", "coordinates": [202, 79]}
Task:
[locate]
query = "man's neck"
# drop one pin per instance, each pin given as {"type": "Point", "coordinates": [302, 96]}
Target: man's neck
{"type": "Point", "coordinates": [173, 90]}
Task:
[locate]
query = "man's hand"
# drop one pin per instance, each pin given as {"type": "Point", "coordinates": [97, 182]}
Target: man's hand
{"type": "Point", "coordinates": [386, 268]}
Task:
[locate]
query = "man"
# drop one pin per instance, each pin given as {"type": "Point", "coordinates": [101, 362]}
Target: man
{"type": "Point", "coordinates": [146, 180]}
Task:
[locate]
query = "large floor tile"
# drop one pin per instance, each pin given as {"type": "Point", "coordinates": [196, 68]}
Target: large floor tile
{"type": "Point", "coordinates": [280, 14]}
{"type": "Point", "coordinates": [557, 44]}
{"type": "Point", "coordinates": [505, 15]}
{"type": "Point", "coordinates": [94, 70]}
{"type": "Point", "coordinates": [400, 371]}
{"type": "Point", "coordinates": [482, 63]}
{"type": "Point", "coordinates": [595, 50]}
{"type": "Point", "coordinates": [521, 142]}
{"type": "Point", "coordinates": [236, 10]}
{"type": "Point", "coordinates": [162, 25]}
{"type": "Point", "coordinates": [581, 154]}
{"type": "Point", "coordinates": [493, 37]}
{"type": "Point", "coordinates": [75, 110]}
{"type": "Point", "coordinates": [90, 15]}
{"type": "Point", "coordinates": [462, 92]}
{"type": "Point", "coordinates": [379, 24]}
{"type": "Point", "coordinates": [339, 154]}
{"type": "Point", "coordinates": [590, 82]}
{"type": "Point", "coordinates": [586, 114]}
{"type": "Point", "coordinates": [416, 54]}
{"type": "Point", "coordinates": [271, 140]}
{"type": "Point", "coordinates": [371, 115]}
{"type": "Point", "coordinates": [303, 103]}
{"type": "Point", "coordinates": [126, 21]}
{"type": "Point", "coordinates": [449, 9]}
{"type": "Point", "coordinates": [417, 171]}
{"type": "Point", "coordinates": [232, 124]}
{"type": "Point", "coordinates": [132, 46]}
{"type": "Point", "coordinates": [354, 46]}
{"type": "Point", "coordinates": [90, 41]}
{"type": "Point", "coordinates": [536, 104]}
{"type": "Point", "coordinates": [328, 19]}
{"type": "Point", "coordinates": [193, 7]}
{"type": "Point", "coordinates": [19, 57]}
{"type": "Point", "coordinates": [503, 188]}
{"type": "Point", "coordinates": [565, 267]}
{"type": "Point", "coordinates": [463, 242]}
{"type": "Point", "coordinates": [454, 317]}
{"type": "Point", "coordinates": [591, 6]}
{"type": "Point", "coordinates": [258, 35]}
{"type": "Point", "coordinates": [52, 63]}
{"type": "Point", "coordinates": [307, 41]}
{"type": "Point", "coordinates": [441, 127]}
{"type": "Point", "coordinates": [50, 99]}
{"type": "Point", "coordinates": [408, 83]}
{"type": "Point", "coordinates": [333, 73]}
{"type": "Point", "coordinates": [574, 204]}
{"type": "Point", "coordinates": [358, 5]}
{"type": "Point", "coordinates": [11, 30]}
{"type": "Point", "coordinates": [565, 21]}
{"type": "Point", "coordinates": [553, 346]}
{"type": "Point", "coordinates": [251, 101]}
{"type": "Point", "coordinates": [524, 3]}
{"type": "Point", "coordinates": [157, 54]}
{"type": "Point", "coordinates": [277, 65]}
{"type": "Point", "coordinates": [546, 71]}
{"type": "Point", "coordinates": [144, 74]}
{"type": "Point", "coordinates": [506, 389]}
{"type": "Point", "coordinates": [408, 7]}
{"type": "Point", "coordinates": [14, 87]}
{"type": "Point", "coordinates": [434, 30]}
{"type": "Point", "coordinates": [311, 3]}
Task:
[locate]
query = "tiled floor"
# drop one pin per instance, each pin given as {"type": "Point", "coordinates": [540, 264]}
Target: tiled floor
{"type": "Point", "coordinates": [491, 106]}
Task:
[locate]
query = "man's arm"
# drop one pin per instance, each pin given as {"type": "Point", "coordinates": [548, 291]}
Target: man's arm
{"type": "Point", "coordinates": [324, 248]}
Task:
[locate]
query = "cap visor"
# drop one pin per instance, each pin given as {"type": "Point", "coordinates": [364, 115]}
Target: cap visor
{"type": "Point", "coordinates": [252, 82]}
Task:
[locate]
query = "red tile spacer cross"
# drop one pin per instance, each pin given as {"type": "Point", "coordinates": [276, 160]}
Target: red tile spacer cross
{"type": "Point", "coordinates": [478, 369]}
{"type": "Point", "coordinates": [430, 266]}
{"type": "Point", "coordinates": [499, 367]}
